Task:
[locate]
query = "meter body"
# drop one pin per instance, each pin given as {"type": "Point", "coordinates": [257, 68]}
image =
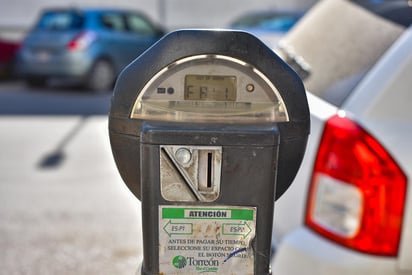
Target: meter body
{"type": "Point", "coordinates": [208, 128]}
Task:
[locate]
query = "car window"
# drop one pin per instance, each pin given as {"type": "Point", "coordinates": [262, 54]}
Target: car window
{"type": "Point", "coordinates": [138, 24]}
{"type": "Point", "coordinates": [61, 20]}
{"type": "Point", "coordinates": [271, 22]}
{"type": "Point", "coordinates": [398, 11]}
{"type": "Point", "coordinates": [333, 65]}
{"type": "Point", "coordinates": [281, 23]}
{"type": "Point", "coordinates": [113, 21]}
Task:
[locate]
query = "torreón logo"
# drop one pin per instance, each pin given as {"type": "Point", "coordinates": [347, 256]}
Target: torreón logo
{"type": "Point", "coordinates": [180, 262]}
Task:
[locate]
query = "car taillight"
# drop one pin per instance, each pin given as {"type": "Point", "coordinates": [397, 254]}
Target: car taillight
{"type": "Point", "coordinates": [357, 192]}
{"type": "Point", "coordinates": [81, 41]}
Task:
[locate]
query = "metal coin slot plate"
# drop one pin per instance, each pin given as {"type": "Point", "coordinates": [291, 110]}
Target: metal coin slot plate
{"type": "Point", "coordinates": [190, 173]}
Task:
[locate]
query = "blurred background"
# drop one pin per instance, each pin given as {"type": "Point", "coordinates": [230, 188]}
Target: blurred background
{"type": "Point", "coordinates": [169, 13]}
{"type": "Point", "coordinates": [63, 206]}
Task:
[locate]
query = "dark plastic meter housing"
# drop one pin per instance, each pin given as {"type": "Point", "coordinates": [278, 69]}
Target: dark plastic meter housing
{"type": "Point", "coordinates": [208, 128]}
{"type": "Point", "coordinates": [125, 119]}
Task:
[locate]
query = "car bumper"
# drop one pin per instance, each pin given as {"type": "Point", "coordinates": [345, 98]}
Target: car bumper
{"type": "Point", "coordinates": [47, 65]}
{"type": "Point", "coordinates": [304, 252]}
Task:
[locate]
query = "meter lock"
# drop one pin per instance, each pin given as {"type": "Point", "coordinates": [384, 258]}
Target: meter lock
{"type": "Point", "coordinates": [190, 173]}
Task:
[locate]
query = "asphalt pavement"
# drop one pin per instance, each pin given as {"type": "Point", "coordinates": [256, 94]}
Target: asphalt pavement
{"type": "Point", "coordinates": [63, 206]}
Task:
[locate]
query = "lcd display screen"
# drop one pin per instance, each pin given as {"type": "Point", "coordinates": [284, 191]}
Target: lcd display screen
{"type": "Point", "coordinates": [210, 87]}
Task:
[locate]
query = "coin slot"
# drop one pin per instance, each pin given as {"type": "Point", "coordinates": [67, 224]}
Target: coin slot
{"type": "Point", "coordinates": [209, 170]}
{"type": "Point", "coordinates": [206, 179]}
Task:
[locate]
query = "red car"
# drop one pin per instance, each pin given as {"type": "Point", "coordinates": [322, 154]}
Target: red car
{"type": "Point", "coordinates": [8, 51]}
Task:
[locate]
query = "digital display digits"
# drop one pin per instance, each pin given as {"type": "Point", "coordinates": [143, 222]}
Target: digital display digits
{"type": "Point", "coordinates": [210, 87]}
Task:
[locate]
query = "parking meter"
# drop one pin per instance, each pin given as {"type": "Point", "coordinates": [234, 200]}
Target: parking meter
{"type": "Point", "coordinates": [208, 128]}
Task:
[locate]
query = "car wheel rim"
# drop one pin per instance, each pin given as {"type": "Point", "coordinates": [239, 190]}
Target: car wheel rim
{"type": "Point", "coordinates": [101, 78]}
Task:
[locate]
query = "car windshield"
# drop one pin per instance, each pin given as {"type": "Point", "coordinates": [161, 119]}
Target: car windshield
{"type": "Point", "coordinates": [333, 65]}
{"type": "Point", "coordinates": [60, 20]}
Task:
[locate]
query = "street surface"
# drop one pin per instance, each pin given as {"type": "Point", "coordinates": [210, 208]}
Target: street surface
{"type": "Point", "coordinates": [63, 206]}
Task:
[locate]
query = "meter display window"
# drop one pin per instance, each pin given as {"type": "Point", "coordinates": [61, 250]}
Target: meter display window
{"type": "Point", "coordinates": [207, 88]}
{"type": "Point", "coordinates": [210, 87]}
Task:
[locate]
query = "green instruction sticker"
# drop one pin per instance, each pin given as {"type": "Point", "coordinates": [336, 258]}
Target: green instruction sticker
{"type": "Point", "coordinates": [214, 239]}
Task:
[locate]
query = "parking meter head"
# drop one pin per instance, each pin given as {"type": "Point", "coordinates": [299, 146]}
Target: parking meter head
{"type": "Point", "coordinates": [203, 79]}
{"type": "Point", "coordinates": [208, 128]}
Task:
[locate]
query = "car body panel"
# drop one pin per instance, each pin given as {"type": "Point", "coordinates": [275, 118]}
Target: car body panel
{"type": "Point", "coordinates": [305, 252]}
{"type": "Point", "coordinates": [45, 54]}
{"type": "Point", "coordinates": [381, 105]}
{"type": "Point", "coordinates": [320, 111]}
{"type": "Point", "coordinates": [335, 69]}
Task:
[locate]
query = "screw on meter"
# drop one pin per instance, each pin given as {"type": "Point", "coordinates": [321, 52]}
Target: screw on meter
{"type": "Point", "coordinates": [208, 128]}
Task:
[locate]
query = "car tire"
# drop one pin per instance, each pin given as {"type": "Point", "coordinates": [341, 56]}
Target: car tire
{"type": "Point", "coordinates": [101, 76]}
{"type": "Point", "coordinates": [36, 81]}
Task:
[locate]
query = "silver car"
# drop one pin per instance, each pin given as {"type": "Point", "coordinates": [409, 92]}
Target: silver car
{"type": "Point", "coordinates": [90, 46]}
{"type": "Point", "coordinates": [349, 208]}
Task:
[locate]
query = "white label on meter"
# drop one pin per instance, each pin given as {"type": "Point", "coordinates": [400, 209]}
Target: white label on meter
{"type": "Point", "coordinates": [217, 239]}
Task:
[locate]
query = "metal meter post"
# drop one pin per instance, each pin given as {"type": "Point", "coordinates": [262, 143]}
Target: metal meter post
{"type": "Point", "coordinates": [208, 128]}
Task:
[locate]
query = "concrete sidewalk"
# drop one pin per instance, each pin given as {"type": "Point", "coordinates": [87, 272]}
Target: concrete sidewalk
{"type": "Point", "coordinates": [63, 206]}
